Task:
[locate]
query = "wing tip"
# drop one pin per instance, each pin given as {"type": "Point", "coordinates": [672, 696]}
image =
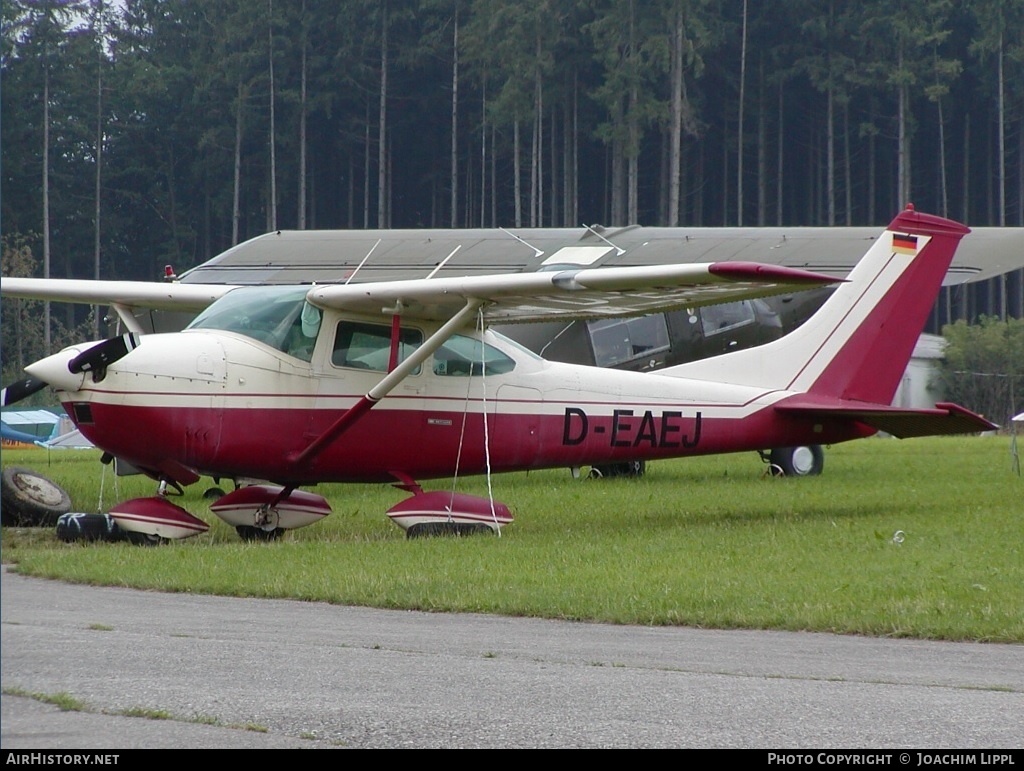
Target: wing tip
{"type": "Point", "coordinates": [756, 271]}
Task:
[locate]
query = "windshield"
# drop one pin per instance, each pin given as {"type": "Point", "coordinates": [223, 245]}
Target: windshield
{"type": "Point", "coordinates": [276, 315]}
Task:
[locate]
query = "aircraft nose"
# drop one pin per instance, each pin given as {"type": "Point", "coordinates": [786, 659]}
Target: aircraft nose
{"type": "Point", "coordinates": [54, 371]}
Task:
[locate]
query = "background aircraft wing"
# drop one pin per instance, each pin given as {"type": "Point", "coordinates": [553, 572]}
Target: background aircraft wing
{"type": "Point", "coordinates": [127, 294]}
{"type": "Point", "coordinates": [571, 293]}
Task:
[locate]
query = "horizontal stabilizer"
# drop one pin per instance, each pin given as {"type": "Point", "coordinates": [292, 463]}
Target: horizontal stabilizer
{"type": "Point", "coordinates": [945, 419]}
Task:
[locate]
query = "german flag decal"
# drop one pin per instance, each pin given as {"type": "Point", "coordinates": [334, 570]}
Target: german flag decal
{"type": "Point", "coordinates": [904, 244]}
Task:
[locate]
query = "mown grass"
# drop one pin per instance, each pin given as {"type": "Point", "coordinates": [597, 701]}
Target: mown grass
{"type": "Point", "coordinates": [705, 542]}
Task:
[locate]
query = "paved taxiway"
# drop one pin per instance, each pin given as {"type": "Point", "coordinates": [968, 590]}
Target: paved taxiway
{"type": "Point", "coordinates": [318, 676]}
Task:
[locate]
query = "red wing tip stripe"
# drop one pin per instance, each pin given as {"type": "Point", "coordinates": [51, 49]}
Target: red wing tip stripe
{"type": "Point", "coordinates": [756, 271]}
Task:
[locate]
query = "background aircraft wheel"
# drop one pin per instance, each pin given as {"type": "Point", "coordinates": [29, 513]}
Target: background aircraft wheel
{"type": "Point", "coordinates": [143, 539]}
{"type": "Point", "coordinates": [77, 526]}
{"type": "Point", "coordinates": [250, 533]}
{"type": "Point", "coordinates": [32, 498]}
{"type": "Point", "coordinates": [801, 461]}
{"type": "Point", "coordinates": [633, 468]}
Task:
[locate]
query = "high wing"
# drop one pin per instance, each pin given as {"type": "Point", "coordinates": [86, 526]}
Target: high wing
{"type": "Point", "coordinates": [130, 294]}
{"type": "Point", "coordinates": [123, 296]}
{"type": "Point", "coordinates": [585, 293]}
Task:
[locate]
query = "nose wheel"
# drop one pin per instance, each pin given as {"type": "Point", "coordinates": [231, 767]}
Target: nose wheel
{"type": "Point", "coordinates": [250, 533]}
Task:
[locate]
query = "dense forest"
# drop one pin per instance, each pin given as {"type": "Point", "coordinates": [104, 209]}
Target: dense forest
{"type": "Point", "coordinates": [139, 133]}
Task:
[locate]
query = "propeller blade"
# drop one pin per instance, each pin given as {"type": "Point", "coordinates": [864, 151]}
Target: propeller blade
{"type": "Point", "coordinates": [25, 387]}
{"type": "Point", "coordinates": [105, 353]}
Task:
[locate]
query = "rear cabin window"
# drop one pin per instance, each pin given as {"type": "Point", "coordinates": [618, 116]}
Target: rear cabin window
{"type": "Point", "coordinates": [368, 346]}
{"type": "Point", "coordinates": [462, 356]}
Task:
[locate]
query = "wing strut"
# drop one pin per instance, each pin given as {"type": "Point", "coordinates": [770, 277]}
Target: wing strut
{"type": "Point", "coordinates": [388, 383]}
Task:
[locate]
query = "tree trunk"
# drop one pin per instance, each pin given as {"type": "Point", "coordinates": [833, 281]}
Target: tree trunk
{"type": "Point", "coordinates": [762, 151]}
{"type": "Point", "coordinates": [366, 170]}
{"type": "Point", "coordinates": [99, 178]}
{"type": "Point", "coordinates": [903, 146]}
{"type": "Point", "coordinates": [382, 127]}
{"type": "Point", "coordinates": [633, 149]}
{"type": "Point", "coordinates": [830, 158]}
{"type": "Point", "coordinates": [537, 161]}
{"type": "Point", "coordinates": [494, 176]}
{"type": "Point", "coordinates": [455, 123]}
{"type": "Point", "coordinates": [943, 190]}
{"type": "Point", "coordinates": [302, 125]}
{"type": "Point", "coordinates": [780, 168]}
{"type": "Point", "coordinates": [1001, 149]}
{"type": "Point", "coordinates": [739, 121]}
{"type": "Point", "coordinates": [676, 119]}
{"type": "Point", "coordinates": [483, 155]}
{"type": "Point", "coordinates": [965, 204]}
{"type": "Point", "coordinates": [236, 205]}
{"type": "Point", "coordinates": [273, 131]}
{"type": "Point", "coordinates": [517, 173]}
{"type": "Point", "coordinates": [46, 202]}
{"type": "Point", "coordinates": [847, 180]}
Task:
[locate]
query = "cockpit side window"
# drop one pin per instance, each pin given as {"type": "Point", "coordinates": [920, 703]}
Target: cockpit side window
{"type": "Point", "coordinates": [359, 345]}
{"type": "Point", "coordinates": [278, 316]}
{"type": "Point", "coordinates": [462, 356]}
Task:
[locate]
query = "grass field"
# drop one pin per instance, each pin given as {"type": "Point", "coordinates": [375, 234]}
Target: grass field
{"type": "Point", "coordinates": [708, 542]}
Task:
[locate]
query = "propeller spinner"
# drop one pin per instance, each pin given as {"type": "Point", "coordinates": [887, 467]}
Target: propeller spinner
{"type": "Point", "coordinates": [68, 374]}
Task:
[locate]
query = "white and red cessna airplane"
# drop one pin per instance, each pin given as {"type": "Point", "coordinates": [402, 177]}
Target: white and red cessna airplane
{"type": "Point", "coordinates": [281, 387]}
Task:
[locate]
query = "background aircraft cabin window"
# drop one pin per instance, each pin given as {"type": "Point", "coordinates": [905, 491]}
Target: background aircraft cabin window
{"type": "Point", "coordinates": [276, 315]}
{"type": "Point", "coordinates": [368, 346]}
{"type": "Point", "coordinates": [721, 318]}
{"type": "Point", "coordinates": [461, 356]}
{"type": "Point", "coordinates": [618, 340]}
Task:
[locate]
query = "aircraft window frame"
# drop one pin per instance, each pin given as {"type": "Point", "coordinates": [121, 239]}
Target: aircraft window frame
{"type": "Point", "coordinates": [619, 340]}
{"type": "Point", "coordinates": [725, 317]}
{"type": "Point", "coordinates": [373, 348]}
{"type": "Point", "coordinates": [462, 356]}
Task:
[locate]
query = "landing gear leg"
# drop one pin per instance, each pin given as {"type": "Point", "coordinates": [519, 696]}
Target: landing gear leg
{"type": "Point", "coordinates": [264, 527]}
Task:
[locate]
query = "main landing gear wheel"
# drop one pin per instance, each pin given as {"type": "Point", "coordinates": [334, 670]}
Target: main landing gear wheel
{"type": "Point", "coordinates": [31, 499]}
{"type": "Point", "coordinates": [250, 533]}
{"type": "Point", "coordinates": [800, 461]}
{"type": "Point", "coordinates": [633, 468]}
{"type": "Point", "coordinates": [433, 529]}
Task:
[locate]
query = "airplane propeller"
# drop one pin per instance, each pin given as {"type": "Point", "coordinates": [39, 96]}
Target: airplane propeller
{"type": "Point", "coordinates": [103, 354]}
{"type": "Point", "coordinates": [24, 388]}
{"type": "Point", "coordinates": [94, 359]}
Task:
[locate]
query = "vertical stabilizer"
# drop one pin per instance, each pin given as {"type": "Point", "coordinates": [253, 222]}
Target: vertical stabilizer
{"type": "Point", "coordinates": [857, 345]}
